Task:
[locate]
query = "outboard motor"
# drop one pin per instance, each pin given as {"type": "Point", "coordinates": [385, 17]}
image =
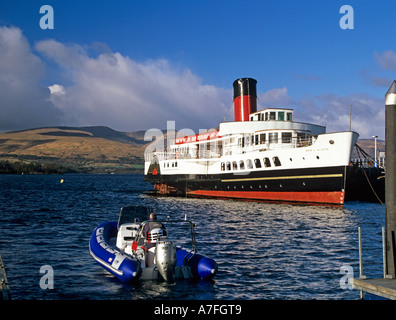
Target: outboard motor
{"type": "Point", "coordinates": [165, 259]}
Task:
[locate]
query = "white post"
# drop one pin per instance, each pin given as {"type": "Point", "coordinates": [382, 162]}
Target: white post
{"type": "Point", "coordinates": [375, 150]}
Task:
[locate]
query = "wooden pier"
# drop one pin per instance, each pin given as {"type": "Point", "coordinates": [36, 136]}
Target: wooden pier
{"type": "Point", "coordinates": [380, 288]}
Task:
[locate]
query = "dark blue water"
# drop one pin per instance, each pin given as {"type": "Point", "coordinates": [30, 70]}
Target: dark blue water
{"type": "Point", "coordinates": [264, 251]}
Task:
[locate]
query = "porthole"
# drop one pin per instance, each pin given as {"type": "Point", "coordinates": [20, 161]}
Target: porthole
{"type": "Point", "coordinates": [317, 157]}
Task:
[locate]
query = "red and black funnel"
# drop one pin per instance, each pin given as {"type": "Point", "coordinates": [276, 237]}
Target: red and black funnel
{"type": "Point", "coordinates": [245, 98]}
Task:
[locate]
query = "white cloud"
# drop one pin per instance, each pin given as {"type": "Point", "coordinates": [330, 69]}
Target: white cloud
{"type": "Point", "coordinates": [116, 91]}
{"type": "Point", "coordinates": [23, 101]}
{"type": "Point", "coordinates": [387, 59]}
{"type": "Point", "coordinates": [57, 90]}
{"type": "Point", "coordinates": [368, 113]}
{"type": "Point", "coordinates": [277, 97]}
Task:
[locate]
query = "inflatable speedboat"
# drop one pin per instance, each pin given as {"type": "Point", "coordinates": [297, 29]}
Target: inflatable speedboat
{"type": "Point", "coordinates": [135, 247]}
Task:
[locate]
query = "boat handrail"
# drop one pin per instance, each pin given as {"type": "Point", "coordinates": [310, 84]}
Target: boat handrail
{"type": "Point", "coordinates": [234, 149]}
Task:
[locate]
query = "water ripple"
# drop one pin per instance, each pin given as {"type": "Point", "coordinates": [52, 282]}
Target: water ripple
{"type": "Point", "coordinates": [264, 251]}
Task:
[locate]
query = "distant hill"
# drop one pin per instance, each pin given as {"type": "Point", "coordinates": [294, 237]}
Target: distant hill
{"type": "Point", "coordinates": [368, 145]}
{"type": "Point", "coordinates": [81, 149]}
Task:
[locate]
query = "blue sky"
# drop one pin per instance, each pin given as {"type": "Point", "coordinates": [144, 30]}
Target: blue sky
{"type": "Point", "coordinates": [133, 65]}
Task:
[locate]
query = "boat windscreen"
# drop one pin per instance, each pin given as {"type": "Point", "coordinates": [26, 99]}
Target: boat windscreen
{"type": "Point", "coordinates": [130, 214]}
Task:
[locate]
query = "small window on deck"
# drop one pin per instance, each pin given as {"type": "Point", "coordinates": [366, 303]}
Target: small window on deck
{"type": "Point", "coordinates": [249, 164]}
{"type": "Point", "coordinates": [273, 137]}
{"type": "Point", "coordinates": [267, 162]}
{"type": "Point", "coordinates": [262, 138]}
{"type": "Point", "coordinates": [241, 165]}
{"type": "Point", "coordinates": [276, 161]}
{"type": "Point", "coordinates": [228, 165]}
{"type": "Point", "coordinates": [286, 137]}
{"type": "Point", "coordinates": [234, 165]}
{"type": "Point", "coordinates": [257, 163]}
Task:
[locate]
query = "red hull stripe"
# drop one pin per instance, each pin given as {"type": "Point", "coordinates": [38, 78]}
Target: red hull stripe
{"type": "Point", "coordinates": [331, 197]}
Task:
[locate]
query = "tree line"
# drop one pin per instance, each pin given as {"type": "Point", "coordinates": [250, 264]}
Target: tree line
{"type": "Point", "coordinates": [20, 167]}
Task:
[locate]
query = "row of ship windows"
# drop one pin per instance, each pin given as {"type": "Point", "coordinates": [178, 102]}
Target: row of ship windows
{"type": "Point", "coordinates": [249, 164]}
{"type": "Point", "coordinates": [273, 137]}
{"type": "Point", "coordinates": [172, 164]}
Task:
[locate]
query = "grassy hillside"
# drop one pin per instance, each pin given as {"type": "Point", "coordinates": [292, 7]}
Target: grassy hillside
{"type": "Point", "coordinates": [85, 149]}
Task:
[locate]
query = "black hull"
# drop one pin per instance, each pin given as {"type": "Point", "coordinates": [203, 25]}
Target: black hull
{"type": "Point", "coordinates": [317, 185]}
{"type": "Point", "coordinates": [365, 184]}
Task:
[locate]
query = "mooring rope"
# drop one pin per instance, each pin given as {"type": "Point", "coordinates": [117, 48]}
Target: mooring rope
{"type": "Point", "coordinates": [366, 155]}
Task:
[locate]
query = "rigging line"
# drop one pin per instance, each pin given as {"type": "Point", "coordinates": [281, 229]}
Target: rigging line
{"type": "Point", "coordinates": [228, 110]}
{"type": "Point", "coordinates": [368, 180]}
{"type": "Point", "coordinates": [366, 155]}
{"type": "Point", "coordinates": [361, 151]}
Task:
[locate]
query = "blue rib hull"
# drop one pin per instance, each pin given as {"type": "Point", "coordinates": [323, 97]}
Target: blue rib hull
{"type": "Point", "coordinates": [126, 269]}
{"type": "Point", "coordinates": [109, 257]}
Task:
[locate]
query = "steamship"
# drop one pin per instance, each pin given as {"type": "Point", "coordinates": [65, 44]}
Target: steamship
{"type": "Point", "coordinates": [262, 155]}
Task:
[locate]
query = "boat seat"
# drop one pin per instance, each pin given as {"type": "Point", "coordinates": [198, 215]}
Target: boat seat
{"type": "Point", "coordinates": [126, 234]}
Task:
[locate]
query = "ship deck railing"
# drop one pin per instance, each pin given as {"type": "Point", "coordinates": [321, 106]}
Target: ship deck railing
{"type": "Point", "coordinates": [216, 151]}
